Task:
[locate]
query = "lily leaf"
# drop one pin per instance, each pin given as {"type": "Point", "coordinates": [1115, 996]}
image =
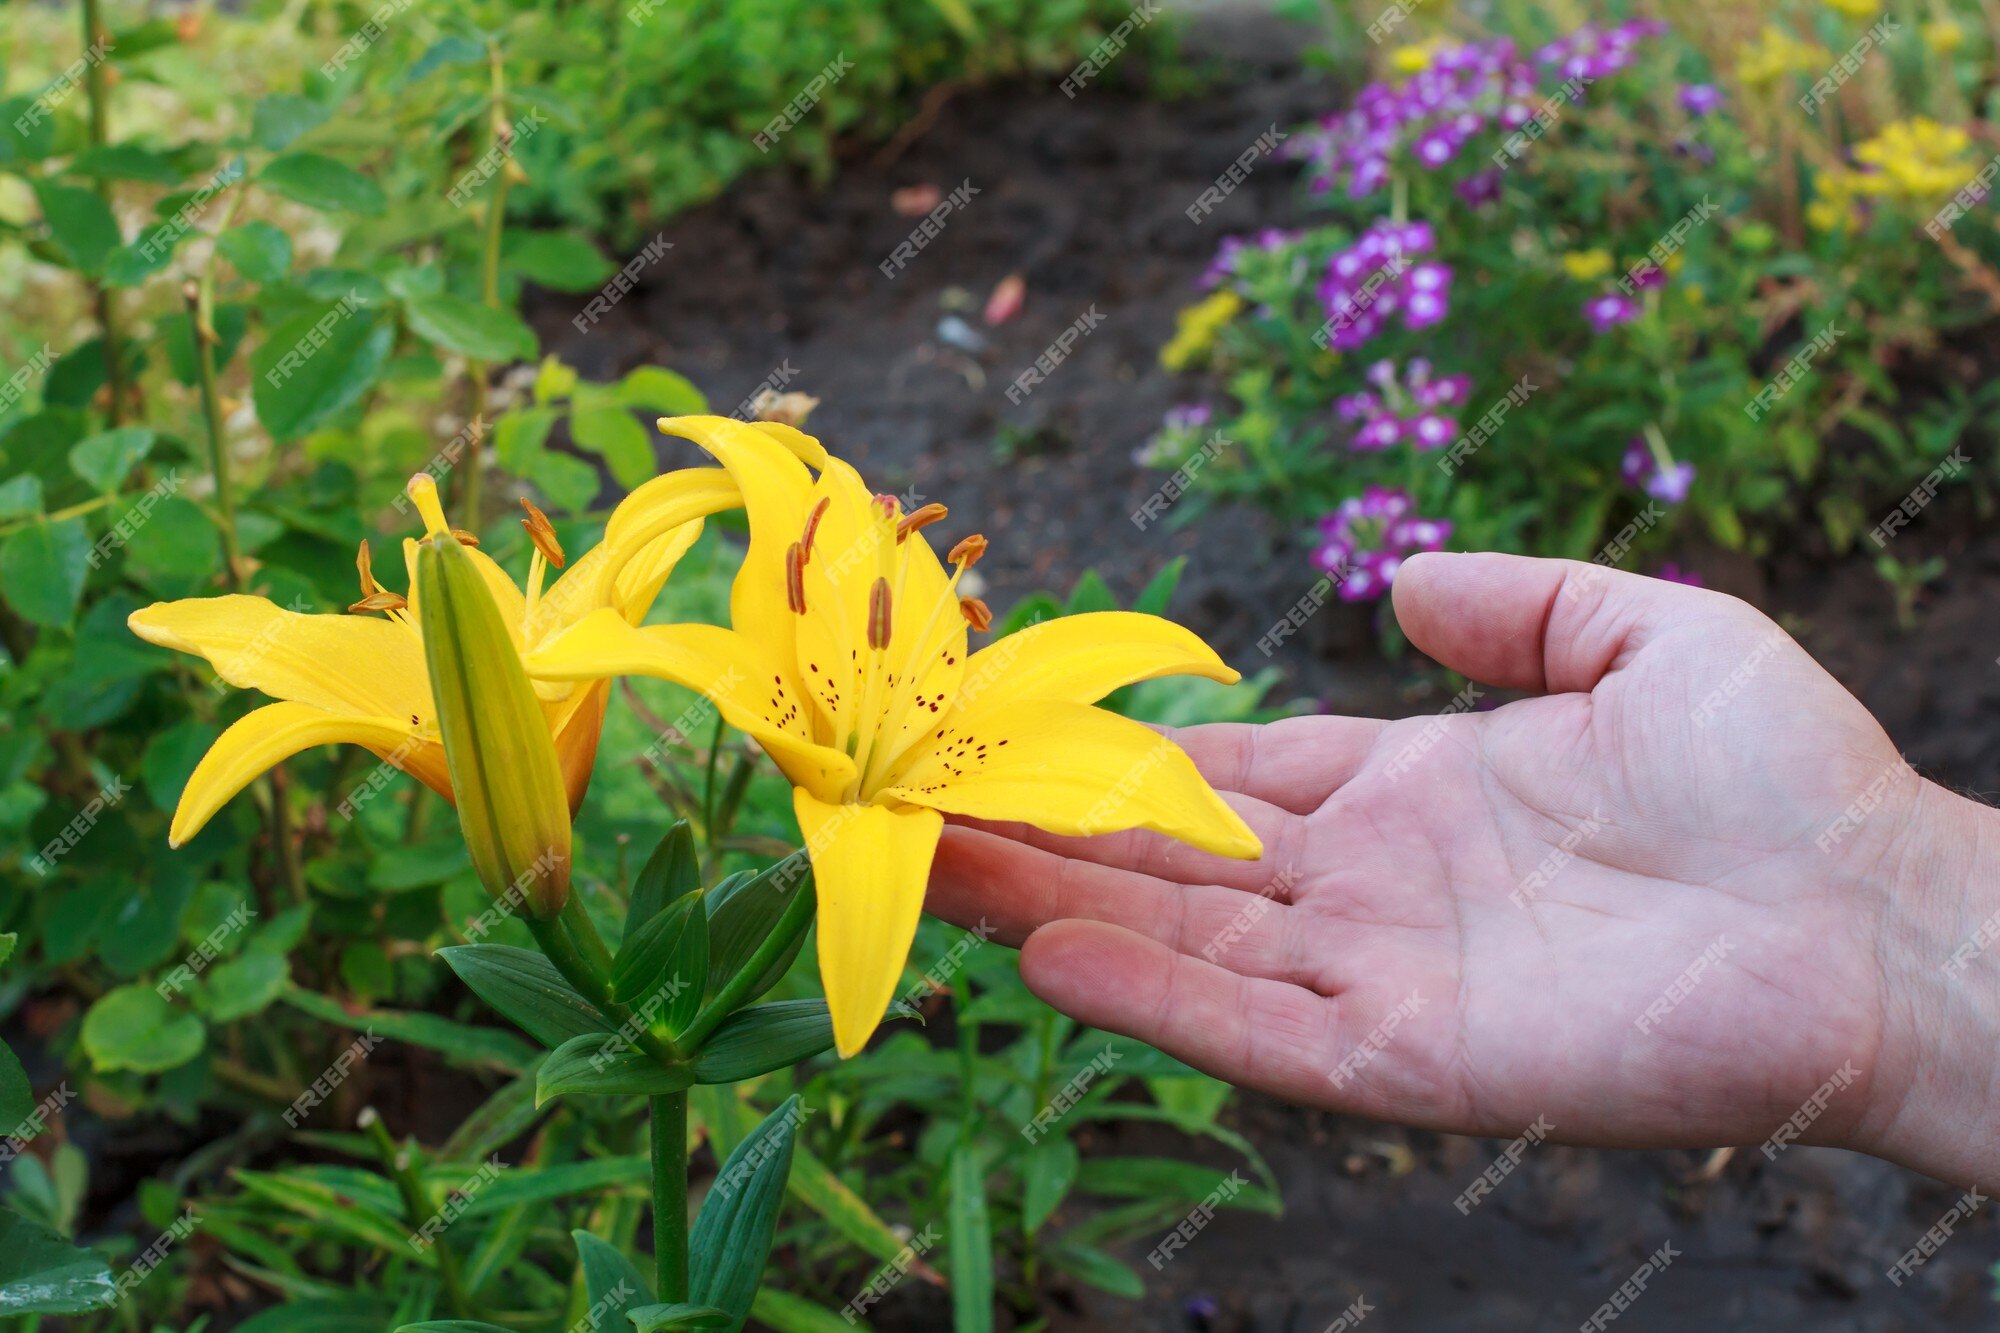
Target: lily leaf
{"type": "Point", "coordinates": [731, 1240]}
{"type": "Point", "coordinates": [593, 1065]}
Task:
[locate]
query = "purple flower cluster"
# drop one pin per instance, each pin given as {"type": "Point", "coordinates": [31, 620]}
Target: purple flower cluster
{"type": "Point", "coordinates": [1374, 278]}
{"type": "Point", "coordinates": [1404, 408]}
{"type": "Point", "coordinates": [1465, 89]}
{"type": "Point", "coordinates": [1608, 311]}
{"type": "Point", "coordinates": [1365, 540]}
{"type": "Point", "coordinates": [1700, 99]}
{"type": "Point", "coordinates": [1669, 484]}
{"type": "Point", "coordinates": [1230, 252]}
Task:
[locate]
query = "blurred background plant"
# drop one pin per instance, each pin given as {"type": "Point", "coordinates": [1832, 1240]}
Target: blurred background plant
{"type": "Point", "coordinates": [1599, 287]}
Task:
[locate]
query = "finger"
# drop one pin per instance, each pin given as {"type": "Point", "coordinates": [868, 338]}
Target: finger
{"type": "Point", "coordinates": [1007, 891]}
{"type": "Point", "coordinates": [1550, 626]}
{"type": "Point", "coordinates": [1294, 763]}
{"type": "Point", "coordinates": [1144, 853]}
{"type": "Point", "coordinates": [1269, 1035]}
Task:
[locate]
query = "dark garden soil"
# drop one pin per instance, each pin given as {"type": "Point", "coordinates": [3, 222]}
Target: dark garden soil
{"type": "Point", "coordinates": [1084, 198]}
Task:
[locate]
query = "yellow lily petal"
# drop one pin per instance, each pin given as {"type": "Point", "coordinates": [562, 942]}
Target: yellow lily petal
{"type": "Point", "coordinates": [579, 724]}
{"type": "Point", "coordinates": [269, 735]}
{"type": "Point", "coordinates": [1069, 768]}
{"type": "Point", "coordinates": [338, 664]}
{"type": "Point", "coordinates": [1080, 659]}
{"type": "Point", "coordinates": [640, 578]}
{"type": "Point", "coordinates": [744, 678]}
{"type": "Point", "coordinates": [777, 492]}
{"type": "Point", "coordinates": [870, 866]}
{"type": "Point", "coordinates": [668, 501]}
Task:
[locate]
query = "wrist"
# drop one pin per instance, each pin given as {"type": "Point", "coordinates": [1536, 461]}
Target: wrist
{"type": "Point", "coordinates": [1934, 1094]}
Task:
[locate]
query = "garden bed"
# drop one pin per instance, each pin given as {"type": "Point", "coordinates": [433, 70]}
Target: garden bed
{"type": "Point", "coordinates": [1085, 199]}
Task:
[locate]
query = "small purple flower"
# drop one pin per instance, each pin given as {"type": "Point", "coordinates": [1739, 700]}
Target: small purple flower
{"type": "Point", "coordinates": [1378, 434]}
{"type": "Point", "coordinates": [1432, 431]}
{"type": "Point", "coordinates": [1671, 484]}
{"type": "Point", "coordinates": [1437, 147]}
{"type": "Point", "coordinates": [1608, 311]}
{"type": "Point", "coordinates": [1637, 464]}
{"type": "Point", "coordinates": [1188, 416]}
{"type": "Point", "coordinates": [1699, 99]}
{"type": "Point", "coordinates": [1355, 406]}
{"type": "Point", "coordinates": [1481, 188]}
{"type": "Point", "coordinates": [1365, 540]}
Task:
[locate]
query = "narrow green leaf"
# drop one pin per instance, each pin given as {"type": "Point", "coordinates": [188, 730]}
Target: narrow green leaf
{"type": "Point", "coordinates": [738, 925]}
{"type": "Point", "coordinates": [594, 1065]}
{"type": "Point", "coordinates": [658, 1318]}
{"type": "Point", "coordinates": [731, 1240]}
{"type": "Point", "coordinates": [787, 1313]}
{"type": "Point", "coordinates": [611, 1282]}
{"type": "Point", "coordinates": [762, 1038]}
{"type": "Point", "coordinates": [1095, 1266]}
{"type": "Point", "coordinates": [643, 960]}
{"type": "Point", "coordinates": [527, 990]}
{"type": "Point", "coordinates": [1047, 1171]}
{"type": "Point", "coordinates": [460, 1043]}
{"type": "Point", "coordinates": [969, 1242]}
{"type": "Point", "coordinates": [671, 871]}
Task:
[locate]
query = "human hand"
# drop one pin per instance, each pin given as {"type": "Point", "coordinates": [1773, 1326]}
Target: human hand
{"type": "Point", "coordinates": [1687, 893]}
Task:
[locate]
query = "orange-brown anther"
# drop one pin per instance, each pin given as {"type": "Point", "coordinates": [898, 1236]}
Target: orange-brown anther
{"type": "Point", "coordinates": [888, 506]}
{"type": "Point", "coordinates": [920, 518]}
{"type": "Point", "coordinates": [977, 613]}
{"type": "Point", "coordinates": [878, 615]}
{"type": "Point", "coordinates": [364, 562]}
{"type": "Point", "coordinates": [967, 552]}
{"type": "Point", "coordinates": [465, 538]}
{"type": "Point", "coordinates": [380, 600]}
{"type": "Point", "coordinates": [542, 533]}
{"type": "Point", "coordinates": [795, 577]}
{"type": "Point", "coordinates": [812, 530]}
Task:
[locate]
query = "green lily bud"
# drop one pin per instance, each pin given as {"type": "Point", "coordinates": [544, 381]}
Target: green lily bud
{"type": "Point", "coordinates": [505, 778]}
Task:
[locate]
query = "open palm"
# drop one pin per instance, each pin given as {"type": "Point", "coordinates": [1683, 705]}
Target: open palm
{"type": "Point", "coordinates": [1623, 907]}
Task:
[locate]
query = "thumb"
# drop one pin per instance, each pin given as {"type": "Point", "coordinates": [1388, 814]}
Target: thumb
{"type": "Point", "coordinates": [1549, 626]}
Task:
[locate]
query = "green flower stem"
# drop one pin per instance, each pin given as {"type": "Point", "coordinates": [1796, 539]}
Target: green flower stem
{"type": "Point", "coordinates": [670, 1185]}
{"type": "Point", "coordinates": [416, 1203]}
{"type": "Point", "coordinates": [199, 308]}
{"type": "Point", "coordinates": [797, 913]}
{"type": "Point", "coordinates": [496, 217]}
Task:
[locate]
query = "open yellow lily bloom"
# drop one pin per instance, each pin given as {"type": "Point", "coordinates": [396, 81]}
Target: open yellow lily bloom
{"type": "Point", "coordinates": [355, 679]}
{"type": "Point", "coordinates": [848, 663]}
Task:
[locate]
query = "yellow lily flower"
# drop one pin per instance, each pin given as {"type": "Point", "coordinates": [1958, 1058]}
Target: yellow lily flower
{"type": "Point", "coordinates": [354, 679]}
{"type": "Point", "coordinates": [848, 664]}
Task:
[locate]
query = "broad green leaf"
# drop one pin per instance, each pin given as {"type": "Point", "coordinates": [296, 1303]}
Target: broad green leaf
{"type": "Point", "coordinates": [133, 1028]}
{"type": "Point", "coordinates": [41, 1273]}
{"type": "Point", "coordinates": [259, 250]}
{"type": "Point", "coordinates": [731, 1240]}
{"type": "Point", "coordinates": [20, 496]}
{"type": "Point", "coordinates": [321, 182]}
{"type": "Point", "coordinates": [176, 548]}
{"type": "Point", "coordinates": [126, 162]}
{"type": "Point", "coordinates": [661, 392]}
{"type": "Point", "coordinates": [246, 984]}
{"type": "Point", "coordinates": [569, 483]}
{"type": "Point", "coordinates": [176, 332]}
{"type": "Point", "coordinates": [80, 224]}
{"type": "Point", "coordinates": [560, 261]}
{"type": "Point", "coordinates": [969, 1242]}
{"type": "Point", "coordinates": [615, 435]}
{"type": "Point", "coordinates": [518, 437]}
{"type": "Point", "coordinates": [452, 1326]}
{"type": "Point", "coordinates": [762, 1038]}
{"type": "Point", "coordinates": [527, 990]}
{"type": "Point", "coordinates": [316, 364]}
{"type": "Point", "coordinates": [106, 458]}
{"type": "Point", "coordinates": [644, 960]}
{"type": "Point", "coordinates": [470, 328]}
{"type": "Point", "coordinates": [1048, 1169]}
{"type": "Point", "coordinates": [595, 1065]}
{"type": "Point", "coordinates": [282, 117]}
{"type": "Point", "coordinates": [42, 569]}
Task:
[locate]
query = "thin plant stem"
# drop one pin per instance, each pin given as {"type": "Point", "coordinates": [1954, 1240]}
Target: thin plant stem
{"type": "Point", "coordinates": [97, 92]}
{"type": "Point", "coordinates": [500, 139]}
{"type": "Point", "coordinates": [670, 1183]}
{"type": "Point", "coordinates": [401, 1162]}
{"type": "Point", "coordinates": [200, 303]}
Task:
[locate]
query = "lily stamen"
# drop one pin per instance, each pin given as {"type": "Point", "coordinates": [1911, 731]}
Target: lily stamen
{"type": "Point", "coordinates": [920, 518]}
{"type": "Point", "coordinates": [812, 530]}
{"type": "Point", "coordinates": [878, 616]}
{"type": "Point", "coordinates": [795, 576]}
